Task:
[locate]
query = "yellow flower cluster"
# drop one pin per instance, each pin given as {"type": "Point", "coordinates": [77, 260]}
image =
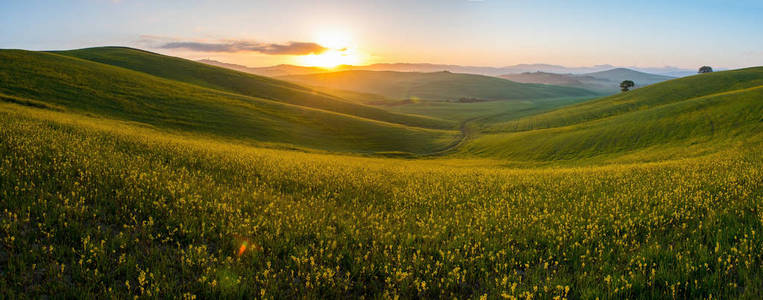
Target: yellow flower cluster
{"type": "Point", "coordinates": [97, 211]}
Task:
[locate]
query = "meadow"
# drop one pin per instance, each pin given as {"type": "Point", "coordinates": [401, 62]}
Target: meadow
{"type": "Point", "coordinates": [112, 92]}
{"type": "Point", "coordinates": [95, 208]}
{"type": "Point", "coordinates": [656, 193]}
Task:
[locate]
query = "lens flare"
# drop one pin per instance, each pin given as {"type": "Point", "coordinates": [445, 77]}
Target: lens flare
{"type": "Point", "coordinates": [242, 248]}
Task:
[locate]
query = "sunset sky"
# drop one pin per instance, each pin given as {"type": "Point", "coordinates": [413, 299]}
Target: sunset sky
{"type": "Point", "coordinates": [488, 32]}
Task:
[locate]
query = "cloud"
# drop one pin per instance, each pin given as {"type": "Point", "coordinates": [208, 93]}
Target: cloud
{"type": "Point", "coordinates": [290, 48]}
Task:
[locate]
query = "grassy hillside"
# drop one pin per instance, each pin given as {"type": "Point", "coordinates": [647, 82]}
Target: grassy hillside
{"type": "Point", "coordinates": [486, 112]}
{"type": "Point", "coordinates": [116, 183]}
{"type": "Point", "coordinates": [656, 95]}
{"type": "Point", "coordinates": [95, 208]}
{"type": "Point", "coordinates": [688, 116]}
{"type": "Point", "coordinates": [434, 86]}
{"type": "Point", "coordinates": [93, 88]}
{"type": "Point", "coordinates": [204, 75]}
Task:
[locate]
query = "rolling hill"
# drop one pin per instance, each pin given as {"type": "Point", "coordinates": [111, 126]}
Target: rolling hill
{"type": "Point", "coordinates": [436, 86]}
{"type": "Point", "coordinates": [64, 82]}
{"type": "Point", "coordinates": [683, 117]}
{"type": "Point", "coordinates": [223, 79]}
{"type": "Point", "coordinates": [117, 183]}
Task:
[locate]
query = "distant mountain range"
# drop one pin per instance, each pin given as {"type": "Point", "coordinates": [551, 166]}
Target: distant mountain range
{"type": "Point", "coordinates": [434, 86]}
{"type": "Point", "coordinates": [283, 70]}
{"type": "Point", "coordinates": [603, 81]}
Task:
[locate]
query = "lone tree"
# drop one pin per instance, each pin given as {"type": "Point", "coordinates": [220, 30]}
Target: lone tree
{"type": "Point", "coordinates": [705, 69]}
{"type": "Point", "coordinates": [626, 85]}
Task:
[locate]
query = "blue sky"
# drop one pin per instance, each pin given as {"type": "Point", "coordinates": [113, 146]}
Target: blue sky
{"type": "Point", "coordinates": [726, 34]}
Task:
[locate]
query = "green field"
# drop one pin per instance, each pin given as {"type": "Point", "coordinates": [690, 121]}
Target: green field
{"type": "Point", "coordinates": [113, 92]}
{"type": "Point", "coordinates": [488, 112]}
{"type": "Point", "coordinates": [203, 75]}
{"type": "Point", "coordinates": [119, 179]}
{"type": "Point", "coordinates": [686, 117]}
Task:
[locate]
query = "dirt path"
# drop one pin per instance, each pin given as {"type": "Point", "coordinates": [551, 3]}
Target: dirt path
{"type": "Point", "coordinates": [465, 133]}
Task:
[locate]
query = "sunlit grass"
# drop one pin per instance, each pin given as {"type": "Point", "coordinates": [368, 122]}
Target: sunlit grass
{"type": "Point", "coordinates": [158, 182]}
{"type": "Point", "coordinates": [97, 208]}
{"type": "Point", "coordinates": [183, 100]}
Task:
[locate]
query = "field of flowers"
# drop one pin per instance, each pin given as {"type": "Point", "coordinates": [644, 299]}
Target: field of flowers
{"type": "Point", "coordinates": [97, 209]}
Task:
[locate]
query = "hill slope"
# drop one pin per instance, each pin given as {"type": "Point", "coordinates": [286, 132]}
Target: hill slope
{"type": "Point", "coordinates": [204, 75]}
{"type": "Point", "coordinates": [167, 216]}
{"type": "Point", "coordinates": [686, 116]}
{"type": "Point", "coordinates": [83, 86]}
{"type": "Point", "coordinates": [102, 208]}
{"type": "Point", "coordinates": [434, 86]}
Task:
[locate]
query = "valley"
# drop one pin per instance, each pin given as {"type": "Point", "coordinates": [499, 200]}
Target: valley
{"type": "Point", "coordinates": [129, 173]}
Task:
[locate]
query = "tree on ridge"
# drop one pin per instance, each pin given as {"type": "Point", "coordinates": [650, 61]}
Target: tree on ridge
{"type": "Point", "coordinates": [705, 69]}
{"type": "Point", "coordinates": [626, 85]}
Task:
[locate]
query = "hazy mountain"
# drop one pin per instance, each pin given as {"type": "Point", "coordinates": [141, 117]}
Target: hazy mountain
{"type": "Point", "coordinates": [620, 74]}
{"type": "Point", "coordinates": [437, 86]}
{"type": "Point", "coordinates": [603, 81]}
{"type": "Point", "coordinates": [544, 78]}
{"type": "Point", "coordinates": [272, 71]}
{"type": "Point", "coordinates": [666, 71]}
{"type": "Point", "coordinates": [282, 70]}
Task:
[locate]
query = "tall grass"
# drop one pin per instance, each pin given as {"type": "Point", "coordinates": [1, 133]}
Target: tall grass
{"type": "Point", "coordinates": [95, 208]}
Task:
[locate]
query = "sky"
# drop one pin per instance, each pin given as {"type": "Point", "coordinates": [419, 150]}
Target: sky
{"type": "Point", "coordinates": [687, 34]}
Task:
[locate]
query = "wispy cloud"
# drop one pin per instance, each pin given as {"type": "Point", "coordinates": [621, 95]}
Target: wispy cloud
{"type": "Point", "coordinates": [290, 48]}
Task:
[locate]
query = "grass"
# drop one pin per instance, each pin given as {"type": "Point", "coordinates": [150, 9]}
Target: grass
{"type": "Point", "coordinates": [116, 183]}
{"type": "Point", "coordinates": [222, 79]}
{"type": "Point", "coordinates": [95, 208]}
{"type": "Point", "coordinates": [644, 98]}
{"type": "Point", "coordinates": [665, 120]}
{"type": "Point", "coordinates": [487, 112]}
{"type": "Point", "coordinates": [112, 92]}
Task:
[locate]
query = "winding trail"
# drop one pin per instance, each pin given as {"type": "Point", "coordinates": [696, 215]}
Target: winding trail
{"type": "Point", "coordinates": [466, 133]}
{"type": "Point", "coordinates": [462, 139]}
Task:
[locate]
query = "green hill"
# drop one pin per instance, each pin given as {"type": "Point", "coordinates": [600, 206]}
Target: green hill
{"type": "Point", "coordinates": [687, 116]}
{"type": "Point", "coordinates": [116, 183]}
{"type": "Point", "coordinates": [223, 79]}
{"type": "Point", "coordinates": [83, 86]}
{"type": "Point", "coordinates": [438, 86]}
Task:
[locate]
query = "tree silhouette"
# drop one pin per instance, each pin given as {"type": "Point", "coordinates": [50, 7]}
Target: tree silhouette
{"type": "Point", "coordinates": [705, 69]}
{"type": "Point", "coordinates": [626, 85]}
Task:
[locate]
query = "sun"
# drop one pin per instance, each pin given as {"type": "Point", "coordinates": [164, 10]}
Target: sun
{"type": "Point", "coordinates": [340, 51]}
{"type": "Point", "coordinates": [330, 58]}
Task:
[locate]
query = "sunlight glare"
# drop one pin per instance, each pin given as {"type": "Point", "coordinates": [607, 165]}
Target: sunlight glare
{"type": "Point", "coordinates": [330, 59]}
{"type": "Point", "coordinates": [341, 51]}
